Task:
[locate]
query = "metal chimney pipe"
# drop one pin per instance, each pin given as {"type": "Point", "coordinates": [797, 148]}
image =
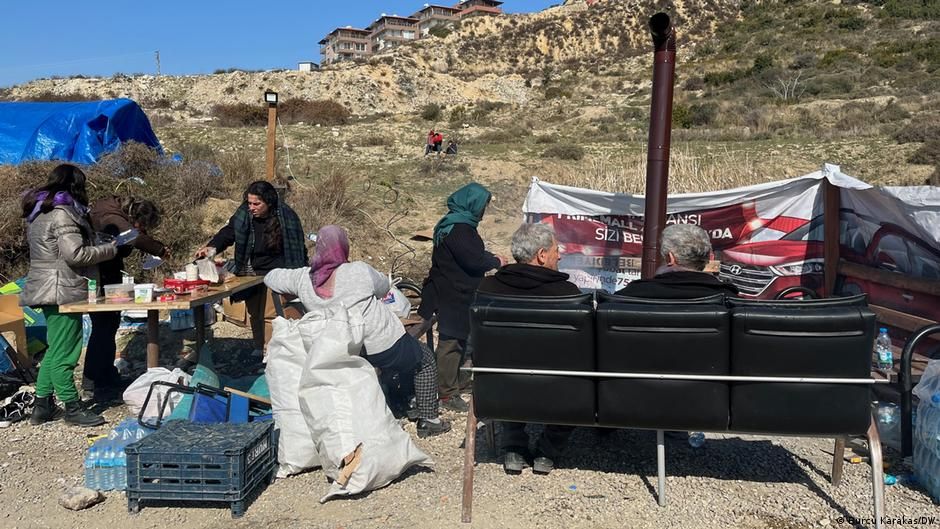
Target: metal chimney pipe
{"type": "Point", "coordinates": [657, 158]}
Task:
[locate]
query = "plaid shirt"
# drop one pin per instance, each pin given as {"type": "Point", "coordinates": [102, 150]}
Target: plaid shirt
{"type": "Point", "coordinates": [295, 251]}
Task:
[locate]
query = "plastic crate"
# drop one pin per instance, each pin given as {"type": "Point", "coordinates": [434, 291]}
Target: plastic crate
{"type": "Point", "coordinates": [185, 461]}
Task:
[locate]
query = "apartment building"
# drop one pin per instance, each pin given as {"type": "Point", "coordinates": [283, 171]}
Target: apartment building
{"type": "Point", "coordinates": [343, 44]}
{"type": "Point", "coordinates": [388, 32]}
{"type": "Point", "coordinates": [469, 8]}
{"type": "Point", "coordinates": [433, 16]}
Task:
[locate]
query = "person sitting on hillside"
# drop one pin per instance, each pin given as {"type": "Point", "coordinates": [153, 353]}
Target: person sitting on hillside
{"type": "Point", "coordinates": [535, 273]}
{"type": "Point", "coordinates": [685, 251]}
{"type": "Point", "coordinates": [451, 148]}
{"type": "Point", "coordinates": [429, 144]}
{"type": "Point", "coordinates": [438, 141]}
{"type": "Point", "coordinates": [331, 277]}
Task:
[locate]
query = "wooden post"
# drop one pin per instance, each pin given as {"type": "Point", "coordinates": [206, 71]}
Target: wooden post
{"type": "Point", "coordinates": [153, 338]}
{"type": "Point", "coordinates": [270, 154]}
{"type": "Point", "coordinates": [469, 454]}
{"type": "Point", "coordinates": [831, 205]}
{"type": "Point", "coordinates": [199, 320]}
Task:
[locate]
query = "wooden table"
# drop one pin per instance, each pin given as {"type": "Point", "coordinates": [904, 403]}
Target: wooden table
{"type": "Point", "coordinates": [190, 301]}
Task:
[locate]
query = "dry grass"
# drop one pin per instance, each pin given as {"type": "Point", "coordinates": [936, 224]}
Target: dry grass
{"type": "Point", "coordinates": [688, 172]}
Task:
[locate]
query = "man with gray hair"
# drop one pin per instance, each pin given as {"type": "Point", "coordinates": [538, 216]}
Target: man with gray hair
{"type": "Point", "coordinates": [535, 273]}
{"type": "Point", "coordinates": [685, 251]}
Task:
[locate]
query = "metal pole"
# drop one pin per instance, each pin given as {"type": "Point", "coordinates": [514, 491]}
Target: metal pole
{"type": "Point", "coordinates": [661, 466]}
{"type": "Point", "coordinates": [907, 385]}
{"type": "Point", "coordinates": [270, 154]}
{"type": "Point", "coordinates": [657, 159]}
{"type": "Point", "coordinates": [676, 376]}
{"type": "Point", "coordinates": [469, 455]}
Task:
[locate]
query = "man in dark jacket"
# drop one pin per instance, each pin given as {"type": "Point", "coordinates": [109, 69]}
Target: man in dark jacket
{"type": "Point", "coordinates": [458, 263]}
{"type": "Point", "coordinates": [685, 251]}
{"type": "Point", "coordinates": [114, 215]}
{"type": "Point", "coordinates": [535, 273]}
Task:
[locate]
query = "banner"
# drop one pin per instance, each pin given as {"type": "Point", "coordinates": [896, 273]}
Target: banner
{"type": "Point", "coordinates": [768, 237]}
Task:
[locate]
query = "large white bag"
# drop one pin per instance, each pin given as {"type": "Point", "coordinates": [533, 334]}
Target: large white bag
{"type": "Point", "coordinates": [397, 302]}
{"type": "Point", "coordinates": [291, 340]}
{"type": "Point", "coordinates": [361, 446]}
{"type": "Point", "coordinates": [136, 393]}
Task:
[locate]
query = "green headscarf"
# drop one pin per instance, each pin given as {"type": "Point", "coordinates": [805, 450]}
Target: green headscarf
{"type": "Point", "coordinates": [465, 206]}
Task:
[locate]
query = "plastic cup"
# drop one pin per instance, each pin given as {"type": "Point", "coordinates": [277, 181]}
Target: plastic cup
{"type": "Point", "coordinates": [143, 293]}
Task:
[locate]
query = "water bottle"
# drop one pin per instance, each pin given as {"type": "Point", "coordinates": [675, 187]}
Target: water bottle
{"type": "Point", "coordinates": [120, 469]}
{"type": "Point", "coordinates": [883, 352]}
{"type": "Point", "coordinates": [91, 461]}
{"type": "Point", "coordinates": [696, 439]}
{"type": "Point", "coordinates": [106, 461]}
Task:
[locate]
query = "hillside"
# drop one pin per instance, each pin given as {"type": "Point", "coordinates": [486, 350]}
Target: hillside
{"type": "Point", "coordinates": [765, 89]}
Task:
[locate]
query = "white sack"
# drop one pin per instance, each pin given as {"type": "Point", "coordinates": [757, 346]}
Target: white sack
{"type": "Point", "coordinates": [136, 393]}
{"type": "Point", "coordinates": [345, 410]}
{"type": "Point", "coordinates": [287, 354]}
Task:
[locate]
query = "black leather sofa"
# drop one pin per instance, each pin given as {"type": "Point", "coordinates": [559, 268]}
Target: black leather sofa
{"type": "Point", "coordinates": [709, 364]}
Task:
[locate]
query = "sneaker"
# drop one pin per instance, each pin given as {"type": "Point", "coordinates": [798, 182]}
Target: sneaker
{"type": "Point", "coordinates": [455, 403]}
{"type": "Point", "coordinates": [513, 462]}
{"type": "Point", "coordinates": [542, 465]}
{"type": "Point", "coordinates": [427, 428]}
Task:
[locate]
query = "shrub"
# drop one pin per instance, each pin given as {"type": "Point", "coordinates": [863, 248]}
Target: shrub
{"type": "Point", "coordinates": [431, 112]}
{"type": "Point", "coordinates": [458, 114]}
{"type": "Point", "coordinates": [693, 84]}
{"type": "Point", "coordinates": [564, 151]}
{"type": "Point", "coordinates": [50, 97]}
{"type": "Point", "coordinates": [374, 139]}
{"type": "Point", "coordinates": [440, 31]}
{"type": "Point", "coordinates": [321, 112]}
{"type": "Point", "coordinates": [162, 103]}
{"type": "Point", "coordinates": [554, 92]}
{"type": "Point", "coordinates": [918, 131]}
{"type": "Point", "coordinates": [239, 115]}
{"type": "Point", "coordinates": [510, 135]}
{"type": "Point", "coordinates": [703, 114]}
{"type": "Point", "coordinates": [546, 139]}
{"type": "Point", "coordinates": [927, 154]}
{"type": "Point", "coordinates": [681, 116]}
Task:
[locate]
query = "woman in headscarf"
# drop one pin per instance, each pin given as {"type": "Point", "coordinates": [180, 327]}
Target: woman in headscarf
{"type": "Point", "coordinates": [267, 234]}
{"type": "Point", "coordinates": [332, 278]}
{"type": "Point", "coordinates": [63, 257]}
{"type": "Point", "coordinates": [458, 263]}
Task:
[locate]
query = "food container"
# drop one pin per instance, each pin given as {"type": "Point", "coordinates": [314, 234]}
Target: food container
{"type": "Point", "coordinates": [118, 293]}
{"type": "Point", "coordinates": [181, 286]}
{"type": "Point", "coordinates": [143, 293]}
{"type": "Point", "coordinates": [192, 272]}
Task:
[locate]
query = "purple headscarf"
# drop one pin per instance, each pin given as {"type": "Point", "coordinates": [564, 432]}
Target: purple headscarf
{"type": "Point", "coordinates": [332, 250]}
{"type": "Point", "coordinates": [61, 198]}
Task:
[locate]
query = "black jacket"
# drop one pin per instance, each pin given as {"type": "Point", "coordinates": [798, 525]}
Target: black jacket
{"type": "Point", "coordinates": [108, 217]}
{"type": "Point", "coordinates": [678, 285]}
{"type": "Point", "coordinates": [522, 279]}
{"type": "Point", "coordinates": [458, 264]}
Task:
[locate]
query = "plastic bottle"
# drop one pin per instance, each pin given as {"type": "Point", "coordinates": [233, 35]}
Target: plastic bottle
{"type": "Point", "coordinates": [106, 462]}
{"type": "Point", "coordinates": [696, 439]}
{"type": "Point", "coordinates": [91, 462]}
{"type": "Point", "coordinates": [885, 358]}
{"type": "Point", "coordinates": [120, 469]}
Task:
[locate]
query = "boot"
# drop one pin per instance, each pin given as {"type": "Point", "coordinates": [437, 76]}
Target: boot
{"type": "Point", "coordinates": [44, 410]}
{"type": "Point", "coordinates": [76, 414]}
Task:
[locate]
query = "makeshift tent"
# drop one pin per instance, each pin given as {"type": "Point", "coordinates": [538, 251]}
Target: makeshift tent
{"type": "Point", "coordinates": [79, 132]}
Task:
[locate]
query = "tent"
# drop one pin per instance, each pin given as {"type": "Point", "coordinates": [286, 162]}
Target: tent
{"type": "Point", "coordinates": [79, 132]}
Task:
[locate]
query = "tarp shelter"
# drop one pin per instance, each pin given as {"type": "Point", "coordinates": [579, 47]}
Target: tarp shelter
{"type": "Point", "coordinates": [79, 132]}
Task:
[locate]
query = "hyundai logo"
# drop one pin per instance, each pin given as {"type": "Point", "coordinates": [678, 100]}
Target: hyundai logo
{"type": "Point", "coordinates": [735, 269]}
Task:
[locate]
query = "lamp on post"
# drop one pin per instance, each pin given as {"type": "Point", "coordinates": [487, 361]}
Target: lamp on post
{"type": "Point", "coordinates": [271, 99]}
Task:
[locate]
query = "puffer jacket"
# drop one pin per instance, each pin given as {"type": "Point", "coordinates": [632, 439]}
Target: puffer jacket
{"type": "Point", "coordinates": [62, 258]}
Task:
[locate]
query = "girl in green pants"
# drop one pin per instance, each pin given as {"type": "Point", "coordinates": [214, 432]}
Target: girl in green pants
{"type": "Point", "coordinates": [62, 257]}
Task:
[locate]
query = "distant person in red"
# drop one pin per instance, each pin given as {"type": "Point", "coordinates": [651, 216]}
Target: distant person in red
{"type": "Point", "coordinates": [438, 141]}
{"type": "Point", "coordinates": [429, 146]}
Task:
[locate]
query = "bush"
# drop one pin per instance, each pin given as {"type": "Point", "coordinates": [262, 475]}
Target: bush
{"type": "Point", "coordinates": [431, 112]}
{"type": "Point", "coordinates": [927, 154]}
{"type": "Point", "coordinates": [50, 97]}
{"type": "Point", "coordinates": [458, 114]}
{"type": "Point", "coordinates": [918, 131]}
{"type": "Point", "coordinates": [681, 116]}
{"type": "Point", "coordinates": [374, 139]}
{"type": "Point", "coordinates": [322, 112]}
{"type": "Point", "coordinates": [511, 135]}
{"type": "Point", "coordinates": [239, 115]}
{"type": "Point", "coordinates": [546, 139]}
{"type": "Point", "coordinates": [703, 115]}
{"type": "Point", "coordinates": [564, 151]}
{"type": "Point", "coordinates": [554, 92]}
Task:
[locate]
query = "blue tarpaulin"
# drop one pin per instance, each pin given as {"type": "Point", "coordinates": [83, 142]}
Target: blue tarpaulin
{"type": "Point", "coordinates": [79, 132]}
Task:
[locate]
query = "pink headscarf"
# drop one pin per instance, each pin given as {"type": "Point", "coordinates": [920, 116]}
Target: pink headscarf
{"type": "Point", "coordinates": [332, 250]}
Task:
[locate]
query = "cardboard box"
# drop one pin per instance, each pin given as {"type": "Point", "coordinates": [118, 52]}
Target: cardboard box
{"type": "Point", "coordinates": [236, 313]}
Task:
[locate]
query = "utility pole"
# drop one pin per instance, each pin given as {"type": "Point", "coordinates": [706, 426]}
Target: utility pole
{"type": "Point", "coordinates": [157, 55]}
{"type": "Point", "coordinates": [270, 98]}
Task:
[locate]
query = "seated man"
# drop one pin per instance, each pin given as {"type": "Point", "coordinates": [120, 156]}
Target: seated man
{"type": "Point", "coordinates": [535, 273]}
{"type": "Point", "coordinates": [685, 251]}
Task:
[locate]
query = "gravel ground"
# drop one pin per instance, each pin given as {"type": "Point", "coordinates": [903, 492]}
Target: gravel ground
{"type": "Point", "coordinates": [607, 480]}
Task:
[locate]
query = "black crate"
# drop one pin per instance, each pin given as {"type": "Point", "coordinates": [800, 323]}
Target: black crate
{"type": "Point", "coordinates": [202, 462]}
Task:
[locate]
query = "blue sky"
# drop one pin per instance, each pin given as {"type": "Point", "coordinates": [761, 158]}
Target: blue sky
{"type": "Point", "coordinates": [66, 38]}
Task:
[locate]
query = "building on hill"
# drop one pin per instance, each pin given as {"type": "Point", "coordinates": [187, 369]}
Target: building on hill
{"type": "Point", "coordinates": [469, 8]}
{"type": "Point", "coordinates": [388, 32]}
{"type": "Point", "coordinates": [432, 16]}
{"type": "Point", "coordinates": [343, 44]}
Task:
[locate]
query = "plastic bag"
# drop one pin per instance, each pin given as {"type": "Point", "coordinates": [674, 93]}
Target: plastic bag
{"type": "Point", "coordinates": [397, 302]}
{"type": "Point", "coordinates": [207, 270]}
{"type": "Point", "coordinates": [929, 384]}
{"type": "Point", "coordinates": [361, 445]}
{"type": "Point", "coordinates": [136, 393]}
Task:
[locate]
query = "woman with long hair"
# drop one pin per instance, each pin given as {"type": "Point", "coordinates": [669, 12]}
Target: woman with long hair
{"type": "Point", "coordinates": [331, 277]}
{"type": "Point", "coordinates": [62, 259]}
{"type": "Point", "coordinates": [267, 234]}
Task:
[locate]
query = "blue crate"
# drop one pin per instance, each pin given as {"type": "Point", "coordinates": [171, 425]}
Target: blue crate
{"type": "Point", "coordinates": [186, 461]}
